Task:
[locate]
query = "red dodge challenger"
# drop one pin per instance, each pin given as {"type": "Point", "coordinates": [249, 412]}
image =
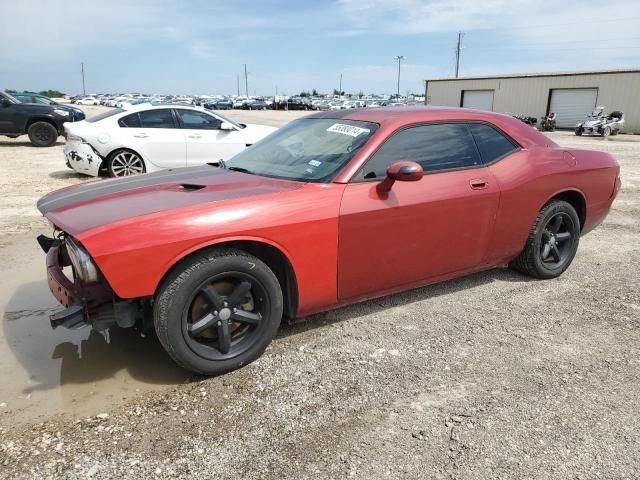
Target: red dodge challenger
{"type": "Point", "coordinates": [331, 209]}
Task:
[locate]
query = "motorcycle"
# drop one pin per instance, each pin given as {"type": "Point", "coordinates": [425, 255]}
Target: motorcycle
{"type": "Point", "coordinates": [548, 122]}
{"type": "Point", "coordinates": [598, 122]}
{"type": "Point", "coordinates": [531, 121]}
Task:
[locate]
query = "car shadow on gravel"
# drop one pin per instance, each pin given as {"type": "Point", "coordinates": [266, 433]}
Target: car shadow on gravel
{"type": "Point", "coordinates": [64, 174]}
{"type": "Point", "coordinates": [404, 298]}
{"type": "Point", "coordinates": [25, 144]}
{"type": "Point", "coordinates": [59, 357]}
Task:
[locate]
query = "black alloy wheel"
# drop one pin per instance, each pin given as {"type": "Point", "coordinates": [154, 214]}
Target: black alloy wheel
{"type": "Point", "coordinates": [552, 243]}
{"type": "Point", "coordinates": [555, 247]}
{"type": "Point", "coordinates": [224, 317]}
{"type": "Point", "coordinates": [218, 310]}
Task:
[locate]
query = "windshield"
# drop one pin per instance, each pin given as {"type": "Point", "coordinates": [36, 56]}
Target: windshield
{"type": "Point", "coordinates": [9, 97]}
{"type": "Point", "coordinates": [309, 150]}
{"type": "Point", "coordinates": [225, 119]}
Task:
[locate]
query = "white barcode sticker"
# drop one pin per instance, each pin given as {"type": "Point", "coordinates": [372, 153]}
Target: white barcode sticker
{"type": "Point", "coordinates": [350, 130]}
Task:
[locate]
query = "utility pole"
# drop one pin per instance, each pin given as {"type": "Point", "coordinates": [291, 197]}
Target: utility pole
{"type": "Point", "coordinates": [399, 58]}
{"type": "Point", "coordinates": [82, 70]}
{"type": "Point", "coordinates": [238, 82]}
{"type": "Point", "coordinates": [246, 82]}
{"type": "Point", "coordinates": [340, 87]}
{"type": "Point", "coordinates": [458, 47]}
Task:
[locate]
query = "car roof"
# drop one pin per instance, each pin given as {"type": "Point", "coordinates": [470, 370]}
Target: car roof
{"type": "Point", "coordinates": [150, 106]}
{"type": "Point", "coordinates": [397, 117]}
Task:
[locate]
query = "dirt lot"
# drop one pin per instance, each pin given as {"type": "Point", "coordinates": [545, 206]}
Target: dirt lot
{"type": "Point", "coordinates": [491, 376]}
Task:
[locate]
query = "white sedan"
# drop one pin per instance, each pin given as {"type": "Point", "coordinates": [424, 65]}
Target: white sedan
{"type": "Point", "coordinates": [148, 138]}
{"type": "Point", "coordinates": [88, 101]}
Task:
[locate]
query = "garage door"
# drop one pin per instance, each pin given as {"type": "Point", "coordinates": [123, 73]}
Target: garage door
{"type": "Point", "coordinates": [478, 99]}
{"type": "Point", "coordinates": [572, 105]}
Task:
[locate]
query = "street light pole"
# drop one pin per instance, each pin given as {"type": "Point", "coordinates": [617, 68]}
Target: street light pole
{"type": "Point", "coordinates": [246, 82]}
{"type": "Point", "coordinates": [84, 92]}
{"type": "Point", "coordinates": [458, 47]}
{"type": "Point", "coordinates": [340, 86]}
{"type": "Point", "coordinates": [399, 58]}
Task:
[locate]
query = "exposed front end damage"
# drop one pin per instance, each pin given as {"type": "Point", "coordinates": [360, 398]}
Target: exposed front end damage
{"type": "Point", "coordinates": [86, 303]}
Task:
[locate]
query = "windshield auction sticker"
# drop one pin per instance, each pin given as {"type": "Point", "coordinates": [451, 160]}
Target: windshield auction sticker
{"type": "Point", "coordinates": [347, 129]}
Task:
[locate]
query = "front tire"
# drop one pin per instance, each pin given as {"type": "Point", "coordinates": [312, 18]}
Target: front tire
{"type": "Point", "coordinates": [42, 134]}
{"type": "Point", "coordinates": [579, 131]}
{"type": "Point", "coordinates": [606, 131]}
{"type": "Point", "coordinates": [552, 243]}
{"type": "Point", "coordinates": [218, 311]}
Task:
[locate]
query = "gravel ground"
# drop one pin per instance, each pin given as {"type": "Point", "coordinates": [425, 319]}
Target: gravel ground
{"type": "Point", "coordinates": [490, 376]}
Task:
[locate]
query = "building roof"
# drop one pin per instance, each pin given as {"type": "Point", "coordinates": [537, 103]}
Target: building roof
{"type": "Point", "coordinates": [529, 75]}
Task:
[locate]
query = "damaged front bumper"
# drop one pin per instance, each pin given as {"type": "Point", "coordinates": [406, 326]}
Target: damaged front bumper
{"type": "Point", "coordinates": [85, 304]}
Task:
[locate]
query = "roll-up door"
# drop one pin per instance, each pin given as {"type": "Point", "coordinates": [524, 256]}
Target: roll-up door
{"type": "Point", "coordinates": [572, 105]}
{"type": "Point", "coordinates": [478, 99]}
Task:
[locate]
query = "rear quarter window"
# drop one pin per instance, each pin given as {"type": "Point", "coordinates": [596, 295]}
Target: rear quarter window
{"type": "Point", "coordinates": [104, 115]}
{"type": "Point", "coordinates": [492, 144]}
{"type": "Point", "coordinates": [130, 121]}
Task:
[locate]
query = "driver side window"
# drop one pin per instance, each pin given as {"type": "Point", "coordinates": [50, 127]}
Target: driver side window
{"type": "Point", "coordinates": [435, 147]}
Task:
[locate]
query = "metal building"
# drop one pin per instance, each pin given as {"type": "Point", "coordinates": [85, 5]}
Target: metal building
{"type": "Point", "coordinates": [570, 95]}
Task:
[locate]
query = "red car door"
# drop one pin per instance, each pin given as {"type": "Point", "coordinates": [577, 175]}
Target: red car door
{"type": "Point", "coordinates": [419, 230]}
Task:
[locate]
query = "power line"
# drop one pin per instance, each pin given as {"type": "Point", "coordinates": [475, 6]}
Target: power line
{"type": "Point", "coordinates": [529, 47]}
{"type": "Point", "coordinates": [576, 23]}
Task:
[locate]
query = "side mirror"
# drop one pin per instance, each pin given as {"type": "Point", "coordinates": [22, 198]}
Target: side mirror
{"type": "Point", "coordinates": [226, 126]}
{"type": "Point", "coordinates": [403, 171]}
{"type": "Point", "coordinates": [5, 102]}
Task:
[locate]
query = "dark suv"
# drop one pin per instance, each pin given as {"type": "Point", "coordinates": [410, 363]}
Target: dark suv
{"type": "Point", "coordinates": [43, 123]}
{"type": "Point", "coordinates": [36, 98]}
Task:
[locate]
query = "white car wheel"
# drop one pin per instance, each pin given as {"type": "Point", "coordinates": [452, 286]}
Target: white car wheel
{"type": "Point", "coordinates": [125, 163]}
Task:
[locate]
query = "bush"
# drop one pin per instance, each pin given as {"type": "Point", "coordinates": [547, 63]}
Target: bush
{"type": "Point", "coordinates": [52, 93]}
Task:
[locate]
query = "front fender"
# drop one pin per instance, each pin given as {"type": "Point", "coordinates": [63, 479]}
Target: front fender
{"type": "Point", "coordinates": [225, 240]}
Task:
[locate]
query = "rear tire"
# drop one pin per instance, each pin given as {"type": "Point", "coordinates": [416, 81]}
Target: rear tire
{"type": "Point", "coordinates": [42, 134]}
{"type": "Point", "coordinates": [606, 131]}
{"type": "Point", "coordinates": [552, 243]}
{"type": "Point", "coordinates": [198, 301]}
{"type": "Point", "coordinates": [124, 163]}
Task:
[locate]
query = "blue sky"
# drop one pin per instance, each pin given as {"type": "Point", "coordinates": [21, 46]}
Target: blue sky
{"type": "Point", "coordinates": [199, 47]}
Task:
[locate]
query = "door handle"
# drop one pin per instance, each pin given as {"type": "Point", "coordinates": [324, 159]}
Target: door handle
{"type": "Point", "coordinates": [479, 183]}
{"type": "Point", "coordinates": [194, 136]}
{"type": "Point", "coordinates": [141, 135]}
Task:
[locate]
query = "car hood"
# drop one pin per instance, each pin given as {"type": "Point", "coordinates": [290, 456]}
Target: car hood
{"type": "Point", "coordinates": [83, 207]}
